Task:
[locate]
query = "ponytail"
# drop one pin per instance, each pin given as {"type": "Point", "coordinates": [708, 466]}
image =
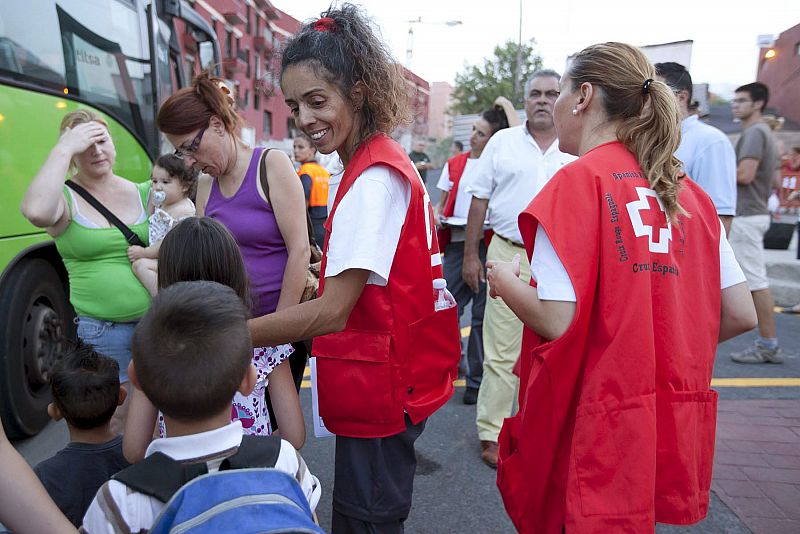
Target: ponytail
{"type": "Point", "coordinates": [646, 110]}
{"type": "Point", "coordinates": [192, 107]}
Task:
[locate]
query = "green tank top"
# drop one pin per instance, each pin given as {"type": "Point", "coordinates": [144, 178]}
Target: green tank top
{"type": "Point", "coordinates": [101, 282]}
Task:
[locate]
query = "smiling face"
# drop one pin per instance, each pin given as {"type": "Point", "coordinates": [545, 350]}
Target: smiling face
{"type": "Point", "coordinates": [321, 111]}
{"type": "Point", "coordinates": [98, 159]}
{"type": "Point", "coordinates": [174, 190]}
{"type": "Point", "coordinates": [539, 101]}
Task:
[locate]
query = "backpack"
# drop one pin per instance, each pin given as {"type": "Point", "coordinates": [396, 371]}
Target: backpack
{"type": "Point", "coordinates": [246, 495]}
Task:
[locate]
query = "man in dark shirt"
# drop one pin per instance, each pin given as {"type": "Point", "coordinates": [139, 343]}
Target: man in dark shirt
{"type": "Point", "coordinates": [756, 166]}
{"type": "Point", "coordinates": [86, 392]}
{"type": "Point", "coordinates": [421, 160]}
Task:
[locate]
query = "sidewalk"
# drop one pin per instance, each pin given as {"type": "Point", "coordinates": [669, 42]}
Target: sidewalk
{"type": "Point", "coordinates": [757, 462]}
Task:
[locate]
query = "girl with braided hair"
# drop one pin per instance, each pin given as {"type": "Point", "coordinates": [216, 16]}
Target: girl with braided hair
{"type": "Point", "coordinates": [633, 285]}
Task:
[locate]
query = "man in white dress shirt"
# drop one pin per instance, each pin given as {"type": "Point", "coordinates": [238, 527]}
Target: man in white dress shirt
{"type": "Point", "coordinates": [515, 165]}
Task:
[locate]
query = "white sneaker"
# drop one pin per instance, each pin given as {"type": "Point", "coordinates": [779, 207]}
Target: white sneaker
{"type": "Point", "coordinates": [758, 354]}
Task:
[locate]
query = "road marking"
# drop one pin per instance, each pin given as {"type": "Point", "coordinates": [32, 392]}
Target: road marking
{"type": "Point", "coordinates": [715, 382]}
{"type": "Point", "coordinates": [781, 382]}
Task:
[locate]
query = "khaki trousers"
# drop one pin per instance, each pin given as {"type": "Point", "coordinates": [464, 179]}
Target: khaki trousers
{"type": "Point", "coordinates": [502, 342]}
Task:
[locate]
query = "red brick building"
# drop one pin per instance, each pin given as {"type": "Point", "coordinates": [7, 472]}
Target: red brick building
{"type": "Point", "coordinates": [251, 34]}
{"type": "Point", "coordinates": [781, 73]}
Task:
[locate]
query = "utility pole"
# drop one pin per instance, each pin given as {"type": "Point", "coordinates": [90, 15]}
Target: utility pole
{"type": "Point", "coordinates": [410, 41]}
{"type": "Point", "coordinates": [518, 70]}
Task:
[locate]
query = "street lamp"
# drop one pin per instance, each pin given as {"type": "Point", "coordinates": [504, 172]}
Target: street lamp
{"type": "Point", "coordinates": [418, 20]}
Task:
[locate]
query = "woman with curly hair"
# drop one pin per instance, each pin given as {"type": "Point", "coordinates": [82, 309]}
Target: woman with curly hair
{"type": "Point", "coordinates": [386, 359]}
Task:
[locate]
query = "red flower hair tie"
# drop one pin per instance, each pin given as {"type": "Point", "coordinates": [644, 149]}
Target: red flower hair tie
{"type": "Point", "coordinates": [325, 24]}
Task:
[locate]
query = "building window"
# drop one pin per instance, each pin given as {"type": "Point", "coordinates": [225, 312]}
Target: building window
{"type": "Point", "coordinates": [291, 128]}
{"type": "Point", "coordinates": [229, 44]}
{"type": "Point", "coordinates": [797, 49]}
{"type": "Point", "coordinates": [238, 45]}
{"type": "Point", "coordinates": [267, 128]}
{"type": "Point", "coordinates": [256, 100]}
{"type": "Point", "coordinates": [247, 59]}
{"type": "Point", "coordinates": [247, 17]}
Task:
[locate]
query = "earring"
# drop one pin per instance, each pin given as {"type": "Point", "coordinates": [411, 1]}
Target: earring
{"type": "Point", "coordinates": [574, 111]}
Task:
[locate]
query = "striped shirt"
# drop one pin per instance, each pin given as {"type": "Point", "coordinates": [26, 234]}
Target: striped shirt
{"type": "Point", "coordinates": [117, 508]}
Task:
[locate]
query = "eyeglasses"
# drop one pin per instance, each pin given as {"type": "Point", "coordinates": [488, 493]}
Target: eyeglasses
{"type": "Point", "coordinates": [551, 95]}
{"type": "Point", "coordinates": [741, 100]}
{"type": "Point", "coordinates": [193, 146]}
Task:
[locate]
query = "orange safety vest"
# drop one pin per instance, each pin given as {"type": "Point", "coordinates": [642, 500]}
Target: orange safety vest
{"type": "Point", "coordinates": [396, 355]}
{"type": "Point", "coordinates": [319, 183]}
{"type": "Point", "coordinates": [615, 429]}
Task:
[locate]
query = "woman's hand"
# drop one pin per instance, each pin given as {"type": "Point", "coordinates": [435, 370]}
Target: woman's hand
{"type": "Point", "coordinates": [76, 140]}
{"type": "Point", "coordinates": [499, 272]}
{"type": "Point", "coordinates": [135, 252]}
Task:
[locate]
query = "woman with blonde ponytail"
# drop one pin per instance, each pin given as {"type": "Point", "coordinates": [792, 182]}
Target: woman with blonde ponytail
{"type": "Point", "coordinates": [633, 285]}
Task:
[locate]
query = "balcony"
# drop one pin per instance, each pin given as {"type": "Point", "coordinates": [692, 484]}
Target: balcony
{"type": "Point", "coordinates": [234, 18]}
{"type": "Point", "coordinates": [268, 8]}
{"type": "Point", "coordinates": [262, 43]}
{"type": "Point", "coordinates": [232, 65]}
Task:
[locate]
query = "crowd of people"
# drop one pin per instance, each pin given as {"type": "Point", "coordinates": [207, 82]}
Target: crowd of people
{"type": "Point", "coordinates": [590, 242]}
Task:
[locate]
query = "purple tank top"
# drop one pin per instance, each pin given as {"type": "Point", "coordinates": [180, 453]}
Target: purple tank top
{"type": "Point", "coordinates": [252, 222]}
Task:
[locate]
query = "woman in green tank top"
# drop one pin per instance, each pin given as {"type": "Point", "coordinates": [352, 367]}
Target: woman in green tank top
{"type": "Point", "coordinates": [107, 297]}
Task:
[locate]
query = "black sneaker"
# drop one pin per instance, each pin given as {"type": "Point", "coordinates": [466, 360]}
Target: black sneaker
{"type": "Point", "coordinates": [470, 396]}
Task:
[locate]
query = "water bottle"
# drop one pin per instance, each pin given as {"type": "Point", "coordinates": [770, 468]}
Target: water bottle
{"type": "Point", "coordinates": [159, 197]}
{"type": "Point", "coordinates": [442, 298]}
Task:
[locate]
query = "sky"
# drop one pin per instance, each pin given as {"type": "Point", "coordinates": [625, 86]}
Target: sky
{"type": "Point", "coordinates": [725, 52]}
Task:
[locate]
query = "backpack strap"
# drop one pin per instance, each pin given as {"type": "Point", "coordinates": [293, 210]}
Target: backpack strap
{"type": "Point", "coordinates": [255, 451]}
{"type": "Point", "coordinates": [161, 477]}
{"type": "Point", "coordinates": [316, 253]}
{"type": "Point", "coordinates": [130, 237]}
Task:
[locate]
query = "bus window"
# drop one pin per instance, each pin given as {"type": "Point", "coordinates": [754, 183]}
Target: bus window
{"type": "Point", "coordinates": [93, 51]}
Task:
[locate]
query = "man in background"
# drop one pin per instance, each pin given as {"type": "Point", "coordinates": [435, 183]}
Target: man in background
{"type": "Point", "coordinates": [756, 162]}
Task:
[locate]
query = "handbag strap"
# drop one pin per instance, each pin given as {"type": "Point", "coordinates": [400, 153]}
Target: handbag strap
{"type": "Point", "coordinates": [265, 186]}
{"type": "Point", "coordinates": [130, 237]}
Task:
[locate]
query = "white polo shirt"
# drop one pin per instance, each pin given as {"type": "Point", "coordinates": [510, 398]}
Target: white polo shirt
{"type": "Point", "coordinates": [511, 171]}
{"type": "Point", "coordinates": [709, 159]}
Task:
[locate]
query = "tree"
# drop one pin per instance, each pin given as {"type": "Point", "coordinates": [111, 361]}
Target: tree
{"type": "Point", "coordinates": [478, 86]}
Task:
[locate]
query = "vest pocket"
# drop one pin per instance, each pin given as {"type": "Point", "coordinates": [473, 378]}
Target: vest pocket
{"type": "Point", "coordinates": [686, 430]}
{"type": "Point", "coordinates": [433, 355]}
{"type": "Point", "coordinates": [614, 456]}
{"type": "Point", "coordinates": [354, 379]}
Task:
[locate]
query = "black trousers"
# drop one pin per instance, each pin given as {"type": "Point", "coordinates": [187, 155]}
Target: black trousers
{"type": "Point", "coordinates": [373, 482]}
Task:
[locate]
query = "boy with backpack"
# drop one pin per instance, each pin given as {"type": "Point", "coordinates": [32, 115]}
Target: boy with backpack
{"type": "Point", "coordinates": [191, 353]}
{"type": "Point", "coordinates": [86, 392]}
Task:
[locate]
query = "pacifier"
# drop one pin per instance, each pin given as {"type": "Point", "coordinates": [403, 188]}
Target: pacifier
{"type": "Point", "coordinates": [159, 197]}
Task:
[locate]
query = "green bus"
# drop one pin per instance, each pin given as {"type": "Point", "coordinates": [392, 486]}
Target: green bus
{"type": "Point", "coordinates": [121, 58]}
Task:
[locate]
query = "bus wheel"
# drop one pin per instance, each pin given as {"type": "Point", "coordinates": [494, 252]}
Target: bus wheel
{"type": "Point", "coordinates": [35, 317]}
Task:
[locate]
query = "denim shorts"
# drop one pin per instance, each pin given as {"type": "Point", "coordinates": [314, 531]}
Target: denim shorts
{"type": "Point", "coordinates": [110, 339]}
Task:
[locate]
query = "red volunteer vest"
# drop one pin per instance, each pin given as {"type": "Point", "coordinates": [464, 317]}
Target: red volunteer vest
{"type": "Point", "coordinates": [319, 183]}
{"type": "Point", "coordinates": [616, 425]}
{"type": "Point", "coordinates": [396, 355]}
{"type": "Point", "coordinates": [455, 168]}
